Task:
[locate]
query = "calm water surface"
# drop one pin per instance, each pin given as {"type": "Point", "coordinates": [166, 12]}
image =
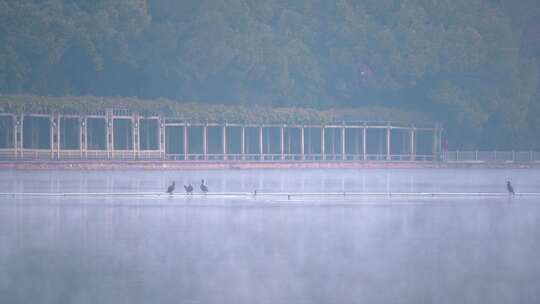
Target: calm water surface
{"type": "Point", "coordinates": [270, 250]}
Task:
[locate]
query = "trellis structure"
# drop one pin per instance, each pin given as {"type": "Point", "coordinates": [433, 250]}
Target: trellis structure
{"type": "Point", "coordinates": [116, 134]}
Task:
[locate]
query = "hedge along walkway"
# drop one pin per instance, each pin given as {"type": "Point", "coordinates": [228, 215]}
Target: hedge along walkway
{"type": "Point", "coordinates": [201, 113]}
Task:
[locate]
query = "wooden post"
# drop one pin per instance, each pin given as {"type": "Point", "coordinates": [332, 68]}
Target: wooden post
{"type": "Point", "coordinates": [322, 143]}
{"type": "Point", "coordinates": [343, 143]}
{"type": "Point", "coordinates": [52, 126]}
{"type": "Point", "coordinates": [58, 135]}
{"type": "Point", "coordinates": [388, 130]}
{"type": "Point", "coordinates": [80, 121]}
{"type": "Point", "coordinates": [205, 141]}
{"type": "Point", "coordinates": [357, 142]}
{"type": "Point", "coordinates": [412, 147]}
{"type": "Point", "coordinates": [439, 143]}
{"type": "Point", "coordinates": [85, 137]}
{"type": "Point", "coordinates": [136, 138]}
{"type": "Point", "coordinates": [186, 141]}
{"type": "Point", "coordinates": [281, 142]}
{"type": "Point", "coordinates": [224, 140]}
{"type": "Point", "coordinates": [302, 141]}
{"type": "Point", "coordinates": [243, 142]}
{"type": "Point", "coordinates": [111, 126]}
{"type": "Point", "coordinates": [434, 149]}
{"type": "Point", "coordinates": [110, 134]}
{"type": "Point", "coordinates": [55, 136]}
{"type": "Point", "coordinates": [261, 146]}
{"type": "Point", "coordinates": [21, 144]}
{"type": "Point", "coordinates": [161, 137]}
{"type": "Point", "coordinates": [364, 141]}
{"type": "Point", "coordinates": [15, 127]}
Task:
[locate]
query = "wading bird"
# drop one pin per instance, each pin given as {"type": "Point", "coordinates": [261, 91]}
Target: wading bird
{"type": "Point", "coordinates": [203, 187]}
{"type": "Point", "coordinates": [510, 188]}
{"type": "Point", "coordinates": [170, 189]}
{"type": "Point", "coordinates": [189, 189]}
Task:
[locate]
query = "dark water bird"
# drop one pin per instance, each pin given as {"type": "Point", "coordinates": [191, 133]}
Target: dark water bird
{"type": "Point", "coordinates": [510, 188]}
{"type": "Point", "coordinates": [170, 189]}
{"type": "Point", "coordinates": [189, 189]}
{"type": "Point", "coordinates": [203, 187]}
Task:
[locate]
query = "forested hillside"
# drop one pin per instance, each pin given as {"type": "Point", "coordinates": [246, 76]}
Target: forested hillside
{"type": "Point", "coordinates": [471, 64]}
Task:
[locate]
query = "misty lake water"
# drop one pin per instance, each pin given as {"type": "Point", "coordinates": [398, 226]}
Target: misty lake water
{"type": "Point", "coordinates": [179, 249]}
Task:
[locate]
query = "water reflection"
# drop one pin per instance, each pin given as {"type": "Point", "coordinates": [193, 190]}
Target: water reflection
{"type": "Point", "coordinates": [274, 181]}
{"type": "Point", "coordinates": [225, 250]}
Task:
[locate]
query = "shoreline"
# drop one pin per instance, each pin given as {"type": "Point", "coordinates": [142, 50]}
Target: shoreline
{"type": "Point", "coordinates": [211, 165]}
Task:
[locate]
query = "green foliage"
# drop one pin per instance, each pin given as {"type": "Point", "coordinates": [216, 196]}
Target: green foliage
{"type": "Point", "coordinates": [202, 113]}
{"type": "Point", "coordinates": [470, 64]}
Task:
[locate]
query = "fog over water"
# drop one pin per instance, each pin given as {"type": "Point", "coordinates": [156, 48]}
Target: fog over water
{"type": "Point", "coordinates": [212, 249]}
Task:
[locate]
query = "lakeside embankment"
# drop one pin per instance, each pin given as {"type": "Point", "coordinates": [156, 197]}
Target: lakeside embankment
{"type": "Point", "coordinates": [200, 165]}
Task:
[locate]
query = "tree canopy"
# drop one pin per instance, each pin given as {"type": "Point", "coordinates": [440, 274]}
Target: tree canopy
{"type": "Point", "coordinates": [471, 64]}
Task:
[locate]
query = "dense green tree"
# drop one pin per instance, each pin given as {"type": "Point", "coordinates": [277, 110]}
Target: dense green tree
{"type": "Point", "coordinates": [471, 64]}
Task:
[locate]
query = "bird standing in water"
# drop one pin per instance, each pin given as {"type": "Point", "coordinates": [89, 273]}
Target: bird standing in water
{"type": "Point", "coordinates": [170, 189]}
{"type": "Point", "coordinates": [203, 187]}
{"type": "Point", "coordinates": [189, 189]}
{"type": "Point", "coordinates": [510, 188]}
